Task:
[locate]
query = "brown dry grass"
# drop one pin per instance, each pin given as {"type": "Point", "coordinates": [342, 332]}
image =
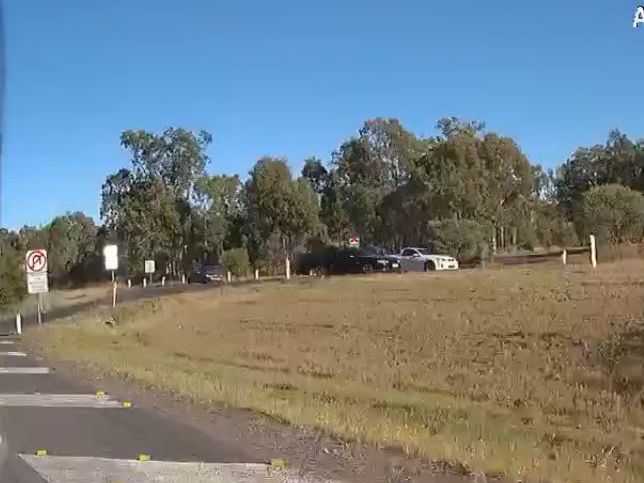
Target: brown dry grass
{"type": "Point", "coordinates": [530, 372]}
{"type": "Point", "coordinates": [58, 299]}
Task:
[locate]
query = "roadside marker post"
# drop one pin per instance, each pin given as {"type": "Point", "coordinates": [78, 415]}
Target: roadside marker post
{"type": "Point", "coordinates": [257, 274]}
{"type": "Point", "coordinates": [288, 269]}
{"type": "Point", "coordinates": [229, 277]}
{"type": "Point", "coordinates": [163, 281]}
{"type": "Point", "coordinates": [564, 256]}
{"type": "Point", "coordinates": [145, 282]}
{"type": "Point", "coordinates": [183, 278]}
{"type": "Point", "coordinates": [19, 323]}
{"type": "Point", "coordinates": [114, 290]}
{"type": "Point", "coordinates": [593, 251]}
{"type": "Point", "coordinates": [129, 283]}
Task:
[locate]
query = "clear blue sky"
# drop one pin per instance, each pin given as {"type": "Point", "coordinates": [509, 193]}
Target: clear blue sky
{"type": "Point", "coordinates": [294, 78]}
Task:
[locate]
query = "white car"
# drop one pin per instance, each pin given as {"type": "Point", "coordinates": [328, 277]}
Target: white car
{"type": "Point", "coordinates": [413, 259]}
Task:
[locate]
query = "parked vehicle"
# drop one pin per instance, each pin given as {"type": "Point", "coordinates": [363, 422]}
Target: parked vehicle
{"type": "Point", "coordinates": [207, 274]}
{"type": "Point", "coordinates": [366, 260]}
{"type": "Point", "coordinates": [414, 259]}
{"type": "Point", "coordinates": [338, 261]}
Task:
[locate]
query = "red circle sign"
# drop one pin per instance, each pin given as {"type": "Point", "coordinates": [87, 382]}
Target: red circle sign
{"type": "Point", "coordinates": [36, 261]}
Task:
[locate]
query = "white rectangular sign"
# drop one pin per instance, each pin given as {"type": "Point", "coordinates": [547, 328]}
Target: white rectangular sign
{"type": "Point", "coordinates": [150, 266]}
{"type": "Point", "coordinates": [37, 283]}
{"type": "Point", "coordinates": [36, 261]}
{"type": "Point", "coordinates": [111, 256]}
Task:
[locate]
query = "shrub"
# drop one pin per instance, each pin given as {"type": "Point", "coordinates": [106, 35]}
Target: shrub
{"type": "Point", "coordinates": [467, 240]}
{"type": "Point", "coordinates": [236, 261]}
{"type": "Point", "coordinates": [614, 213]}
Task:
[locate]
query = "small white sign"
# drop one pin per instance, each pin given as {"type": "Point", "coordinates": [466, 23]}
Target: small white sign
{"type": "Point", "coordinates": [36, 261]}
{"type": "Point", "coordinates": [111, 256]}
{"type": "Point", "coordinates": [150, 266]}
{"type": "Point", "coordinates": [37, 283]}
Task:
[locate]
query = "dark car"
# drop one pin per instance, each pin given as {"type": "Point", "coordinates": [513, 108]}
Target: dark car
{"type": "Point", "coordinates": [364, 260]}
{"type": "Point", "coordinates": [207, 274]}
{"type": "Point", "coordinates": [334, 260]}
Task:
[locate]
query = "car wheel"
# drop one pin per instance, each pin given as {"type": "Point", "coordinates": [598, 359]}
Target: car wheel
{"type": "Point", "coordinates": [429, 266]}
{"type": "Point", "coordinates": [367, 268]}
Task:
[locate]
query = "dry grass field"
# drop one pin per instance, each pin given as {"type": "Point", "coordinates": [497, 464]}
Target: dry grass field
{"type": "Point", "coordinates": [58, 299]}
{"type": "Point", "coordinates": [531, 372]}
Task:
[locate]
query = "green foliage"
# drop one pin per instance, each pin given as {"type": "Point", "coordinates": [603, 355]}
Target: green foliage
{"type": "Point", "coordinates": [236, 261]}
{"type": "Point", "coordinates": [467, 240]}
{"type": "Point", "coordinates": [281, 212]}
{"type": "Point", "coordinates": [614, 213]}
{"type": "Point", "coordinates": [12, 277]}
{"type": "Point", "coordinates": [468, 190]}
{"type": "Point", "coordinates": [619, 161]}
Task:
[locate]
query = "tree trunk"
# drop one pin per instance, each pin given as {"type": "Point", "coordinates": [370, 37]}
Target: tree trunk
{"type": "Point", "coordinates": [515, 235]}
{"type": "Point", "coordinates": [494, 247]}
{"type": "Point", "coordinates": [502, 233]}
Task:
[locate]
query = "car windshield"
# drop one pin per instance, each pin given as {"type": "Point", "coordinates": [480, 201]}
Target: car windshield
{"type": "Point", "coordinates": [212, 269]}
{"type": "Point", "coordinates": [424, 251]}
{"type": "Point", "coordinates": [369, 250]}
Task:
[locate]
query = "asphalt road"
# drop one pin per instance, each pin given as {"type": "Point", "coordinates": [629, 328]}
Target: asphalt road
{"type": "Point", "coordinates": [68, 419]}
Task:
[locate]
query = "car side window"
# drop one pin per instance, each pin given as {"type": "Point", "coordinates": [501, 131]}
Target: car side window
{"type": "Point", "coordinates": [408, 253]}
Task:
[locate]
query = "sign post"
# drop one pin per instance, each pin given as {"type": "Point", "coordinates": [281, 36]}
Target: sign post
{"type": "Point", "coordinates": [111, 256]}
{"type": "Point", "coordinates": [37, 279]}
{"type": "Point", "coordinates": [150, 268]}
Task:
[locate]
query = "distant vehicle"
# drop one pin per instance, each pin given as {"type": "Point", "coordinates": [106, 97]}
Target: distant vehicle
{"type": "Point", "coordinates": [414, 259]}
{"type": "Point", "coordinates": [339, 261]}
{"type": "Point", "coordinates": [207, 274]}
{"type": "Point", "coordinates": [362, 260]}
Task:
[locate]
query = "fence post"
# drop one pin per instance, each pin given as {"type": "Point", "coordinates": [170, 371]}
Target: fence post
{"type": "Point", "coordinates": [564, 256]}
{"type": "Point", "coordinates": [114, 288]}
{"type": "Point", "coordinates": [593, 251]}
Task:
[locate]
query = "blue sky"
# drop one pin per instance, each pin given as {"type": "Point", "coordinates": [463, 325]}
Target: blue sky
{"type": "Point", "coordinates": [295, 78]}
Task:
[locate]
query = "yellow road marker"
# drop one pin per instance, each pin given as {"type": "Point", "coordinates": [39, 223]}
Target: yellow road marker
{"type": "Point", "coordinates": [127, 404]}
{"type": "Point", "coordinates": [100, 393]}
{"type": "Point", "coordinates": [278, 463]}
{"type": "Point", "coordinates": [41, 452]}
{"type": "Point", "coordinates": [144, 457]}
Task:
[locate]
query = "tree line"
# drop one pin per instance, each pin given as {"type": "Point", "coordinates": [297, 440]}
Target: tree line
{"type": "Point", "coordinates": [467, 190]}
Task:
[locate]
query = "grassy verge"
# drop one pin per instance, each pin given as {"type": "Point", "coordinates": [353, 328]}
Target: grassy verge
{"type": "Point", "coordinates": [533, 372]}
{"type": "Point", "coordinates": [57, 299]}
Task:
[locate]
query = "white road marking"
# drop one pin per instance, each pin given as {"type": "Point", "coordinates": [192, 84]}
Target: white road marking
{"type": "Point", "coordinates": [6, 342]}
{"type": "Point", "coordinates": [13, 354]}
{"type": "Point", "coordinates": [67, 469]}
{"type": "Point", "coordinates": [24, 370]}
{"type": "Point", "coordinates": [59, 400]}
